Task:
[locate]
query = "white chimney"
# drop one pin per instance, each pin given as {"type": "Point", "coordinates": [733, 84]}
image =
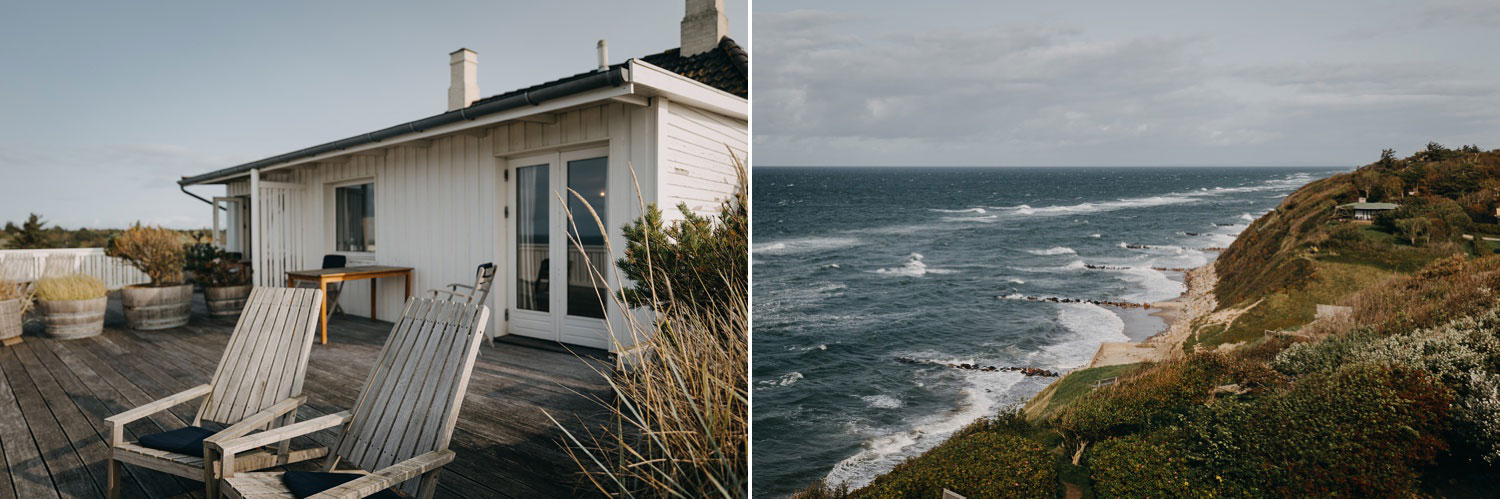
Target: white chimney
{"type": "Point", "coordinates": [463, 67]}
{"type": "Point", "coordinates": [1361, 200]}
{"type": "Point", "coordinates": [603, 56]}
{"type": "Point", "coordinates": [703, 26]}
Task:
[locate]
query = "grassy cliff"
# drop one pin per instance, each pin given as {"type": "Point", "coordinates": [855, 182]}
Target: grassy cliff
{"type": "Point", "coordinates": [1398, 397]}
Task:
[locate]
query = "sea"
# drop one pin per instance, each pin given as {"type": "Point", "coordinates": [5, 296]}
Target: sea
{"type": "Point", "coordinates": [856, 269]}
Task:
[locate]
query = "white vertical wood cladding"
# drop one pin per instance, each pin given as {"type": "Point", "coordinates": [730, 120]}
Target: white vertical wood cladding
{"type": "Point", "coordinates": [438, 207]}
{"type": "Point", "coordinates": [695, 167]}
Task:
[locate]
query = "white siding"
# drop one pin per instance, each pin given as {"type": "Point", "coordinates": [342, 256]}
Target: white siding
{"type": "Point", "coordinates": [696, 167]}
{"type": "Point", "coordinates": [438, 207]}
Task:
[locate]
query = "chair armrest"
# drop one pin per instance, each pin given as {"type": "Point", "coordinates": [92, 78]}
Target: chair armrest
{"type": "Point", "coordinates": [159, 405]}
{"type": "Point", "coordinates": [455, 286]}
{"type": "Point", "coordinates": [444, 291]}
{"type": "Point", "coordinates": [388, 477]}
{"type": "Point", "coordinates": [257, 420]}
{"type": "Point", "coordinates": [232, 446]}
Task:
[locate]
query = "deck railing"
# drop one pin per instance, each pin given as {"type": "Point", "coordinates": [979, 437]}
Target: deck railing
{"type": "Point", "coordinates": [30, 265]}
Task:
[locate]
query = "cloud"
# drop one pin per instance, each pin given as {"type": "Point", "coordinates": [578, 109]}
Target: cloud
{"type": "Point", "coordinates": [833, 89]}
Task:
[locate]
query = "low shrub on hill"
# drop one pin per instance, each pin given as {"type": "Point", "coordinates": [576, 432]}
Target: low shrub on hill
{"type": "Point", "coordinates": [1147, 466]}
{"type": "Point", "coordinates": [1361, 431]}
{"type": "Point", "coordinates": [976, 464]}
{"type": "Point", "coordinates": [1445, 290]}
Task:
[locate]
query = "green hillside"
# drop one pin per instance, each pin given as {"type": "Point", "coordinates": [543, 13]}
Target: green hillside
{"type": "Point", "coordinates": [1400, 396]}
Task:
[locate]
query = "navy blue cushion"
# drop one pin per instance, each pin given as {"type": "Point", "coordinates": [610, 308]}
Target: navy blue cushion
{"type": "Point", "coordinates": [187, 440]}
{"type": "Point", "coordinates": [305, 484]}
{"type": "Point", "coordinates": [335, 261]}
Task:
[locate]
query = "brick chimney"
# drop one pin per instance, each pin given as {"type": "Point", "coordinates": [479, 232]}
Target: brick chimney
{"type": "Point", "coordinates": [703, 26]}
{"type": "Point", "coordinates": [463, 67]}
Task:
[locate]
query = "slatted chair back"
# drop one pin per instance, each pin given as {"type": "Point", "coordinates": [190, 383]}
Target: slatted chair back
{"type": "Point", "coordinates": [411, 399]}
{"type": "Point", "coordinates": [266, 357]}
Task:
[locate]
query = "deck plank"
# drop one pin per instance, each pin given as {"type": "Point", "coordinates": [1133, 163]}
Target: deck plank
{"type": "Point", "coordinates": [54, 395]}
{"type": "Point", "coordinates": [57, 455]}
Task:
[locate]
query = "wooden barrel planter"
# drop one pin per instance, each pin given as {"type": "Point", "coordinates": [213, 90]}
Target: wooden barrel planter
{"type": "Point", "coordinates": [10, 321]}
{"type": "Point", "coordinates": [72, 319]}
{"type": "Point", "coordinates": [225, 301]}
{"type": "Point", "coordinates": [148, 308]}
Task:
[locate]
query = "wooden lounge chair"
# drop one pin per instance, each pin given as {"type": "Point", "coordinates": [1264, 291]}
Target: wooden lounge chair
{"type": "Point", "coordinates": [478, 292]}
{"type": "Point", "coordinates": [258, 384]}
{"type": "Point", "coordinates": [398, 431]}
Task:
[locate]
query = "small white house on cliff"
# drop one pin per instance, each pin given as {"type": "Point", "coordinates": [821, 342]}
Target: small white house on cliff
{"type": "Point", "coordinates": [479, 182]}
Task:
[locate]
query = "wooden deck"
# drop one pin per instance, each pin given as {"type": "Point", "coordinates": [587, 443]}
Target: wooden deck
{"type": "Point", "coordinates": [54, 396]}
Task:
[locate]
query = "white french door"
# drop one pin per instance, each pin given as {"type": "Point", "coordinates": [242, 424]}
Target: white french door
{"type": "Point", "coordinates": [553, 295]}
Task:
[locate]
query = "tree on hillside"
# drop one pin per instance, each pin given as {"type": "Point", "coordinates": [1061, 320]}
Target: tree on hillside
{"type": "Point", "coordinates": [1417, 230]}
{"type": "Point", "coordinates": [30, 235]}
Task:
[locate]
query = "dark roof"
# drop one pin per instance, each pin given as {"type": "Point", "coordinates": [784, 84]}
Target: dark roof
{"type": "Point", "coordinates": [726, 68]}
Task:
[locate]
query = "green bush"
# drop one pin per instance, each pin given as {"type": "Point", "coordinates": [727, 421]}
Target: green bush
{"type": "Point", "coordinates": [697, 261]}
{"type": "Point", "coordinates": [1137, 466]}
{"type": "Point", "coordinates": [1361, 431]}
{"type": "Point", "coordinates": [978, 464]}
{"type": "Point", "coordinates": [1154, 398]}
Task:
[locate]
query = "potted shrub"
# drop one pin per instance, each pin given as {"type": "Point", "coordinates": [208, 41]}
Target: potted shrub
{"type": "Point", "coordinates": [165, 302]}
{"type": "Point", "coordinates": [226, 284]}
{"type": "Point", "coordinates": [13, 303]}
{"type": "Point", "coordinates": [72, 306]}
{"type": "Point", "coordinates": [197, 258]}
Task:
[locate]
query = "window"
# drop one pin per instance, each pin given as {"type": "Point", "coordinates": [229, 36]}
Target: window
{"type": "Point", "coordinates": [354, 218]}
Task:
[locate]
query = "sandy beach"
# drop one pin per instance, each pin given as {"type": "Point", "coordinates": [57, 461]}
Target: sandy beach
{"type": "Point", "coordinates": [1179, 314]}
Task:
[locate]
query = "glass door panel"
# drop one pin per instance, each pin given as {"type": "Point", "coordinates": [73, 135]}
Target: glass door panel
{"type": "Point", "coordinates": [533, 238]}
{"type": "Point", "coordinates": [588, 258]}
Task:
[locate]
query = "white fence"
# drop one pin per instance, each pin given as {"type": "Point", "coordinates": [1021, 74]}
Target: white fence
{"type": "Point", "coordinates": [30, 265]}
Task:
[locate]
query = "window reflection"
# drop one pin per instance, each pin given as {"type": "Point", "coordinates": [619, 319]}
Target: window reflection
{"type": "Point", "coordinates": [587, 177]}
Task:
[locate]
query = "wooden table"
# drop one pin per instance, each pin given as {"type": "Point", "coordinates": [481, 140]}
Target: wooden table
{"type": "Point", "coordinates": [325, 276]}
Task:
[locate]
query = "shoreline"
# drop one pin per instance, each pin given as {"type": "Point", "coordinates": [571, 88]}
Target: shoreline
{"type": "Point", "coordinates": [1179, 313]}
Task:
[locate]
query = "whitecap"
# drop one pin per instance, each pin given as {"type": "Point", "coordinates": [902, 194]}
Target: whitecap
{"type": "Point", "coordinates": [882, 401]}
{"type": "Point", "coordinates": [803, 245]}
{"type": "Point", "coordinates": [969, 210]}
{"type": "Point", "coordinates": [1055, 250]}
{"type": "Point", "coordinates": [787, 379]}
{"type": "Point", "coordinates": [914, 267]}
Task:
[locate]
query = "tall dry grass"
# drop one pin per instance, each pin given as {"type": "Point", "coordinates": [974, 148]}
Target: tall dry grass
{"type": "Point", "coordinates": [70, 287]}
{"type": "Point", "coordinates": [679, 399]}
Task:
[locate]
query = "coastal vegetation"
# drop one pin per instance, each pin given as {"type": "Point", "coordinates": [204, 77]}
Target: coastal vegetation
{"type": "Point", "coordinates": [1395, 394]}
{"type": "Point", "coordinates": [680, 407]}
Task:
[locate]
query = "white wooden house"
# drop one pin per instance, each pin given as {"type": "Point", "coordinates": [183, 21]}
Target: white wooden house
{"type": "Point", "coordinates": [481, 183]}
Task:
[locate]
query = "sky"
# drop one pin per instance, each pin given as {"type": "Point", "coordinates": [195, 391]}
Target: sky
{"type": "Point", "coordinates": [104, 105]}
{"type": "Point", "coordinates": [1109, 83]}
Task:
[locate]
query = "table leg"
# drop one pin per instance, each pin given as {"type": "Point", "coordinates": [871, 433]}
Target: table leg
{"type": "Point", "coordinates": [291, 283]}
{"type": "Point", "coordinates": [323, 311]}
{"type": "Point", "coordinates": [374, 284]}
{"type": "Point", "coordinates": [407, 277]}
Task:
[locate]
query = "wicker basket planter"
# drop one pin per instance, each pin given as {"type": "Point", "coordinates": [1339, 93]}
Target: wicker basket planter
{"type": "Point", "coordinates": [72, 319]}
{"type": "Point", "coordinates": [10, 320]}
{"type": "Point", "coordinates": [227, 300]}
{"type": "Point", "coordinates": [148, 308]}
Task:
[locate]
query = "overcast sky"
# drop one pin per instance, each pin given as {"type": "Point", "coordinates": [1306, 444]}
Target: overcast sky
{"type": "Point", "coordinates": [940, 82]}
{"type": "Point", "coordinates": [104, 105]}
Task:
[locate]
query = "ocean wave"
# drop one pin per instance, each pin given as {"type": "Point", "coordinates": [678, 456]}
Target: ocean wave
{"type": "Point", "coordinates": [914, 267]}
{"type": "Point", "coordinates": [984, 219]}
{"type": "Point", "coordinates": [1092, 325]}
{"type": "Point", "coordinates": [983, 394]}
{"type": "Point", "coordinates": [787, 379]}
{"type": "Point", "coordinates": [1151, 285]}
{"type": "Point", "coordinates": [1247, 217]}
{"type": "Point", "coordinates": [1095, 207]}
{"type": "Point", "coordinates": [882, 401]}
{"type": "Point", "coordinates": [970, 210]}
{"type": "Point", "coordinates": [806, 349]}
{"type": "Point", "coordinates": [803, 245]}
{"type": "Point", "coordinates": [1055, 250]}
